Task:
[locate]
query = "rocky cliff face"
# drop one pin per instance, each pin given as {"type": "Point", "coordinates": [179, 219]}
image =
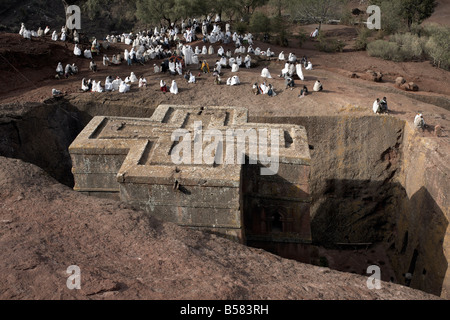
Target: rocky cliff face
{"type": "Point", "coordinates": [376, 180]}
{"type": "Point", "coordinates": [421, 238]}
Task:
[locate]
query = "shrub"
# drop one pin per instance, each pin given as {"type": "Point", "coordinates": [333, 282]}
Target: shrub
{"type": "Point", "coordinates": [400, 47]}
{"type": "Point", "coordinates": [259, 23]}
{"type": "Point", "coordinates": [362, 39]}
{"type": "Point", "coordinates": [326, 44]}
{"type": "Point", "coordinates": [437, 48]}
{"type": "Point", "coordinates": [347, 18]}
{"type": "Point", "coordinates": [410, 45]}
{"type": "Point", "coordinates": [240, 27]}
{"type": "Point", "coordinates": [302, 37]}
{"type": "Point", "coordinates": [384, 49]}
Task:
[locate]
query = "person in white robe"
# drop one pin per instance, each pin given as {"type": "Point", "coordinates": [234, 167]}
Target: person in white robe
{"type": "Point", "coordinates": [68, 70]}
{"type": "Point", "coordinates": [257, 51]}
{"type": "Point", "coordinates": [156, 68]}
{"type": "Point", "coordinates": [220, 51]}
{"type": "Point", "coordinates": [291, 71]}
{"type": "Point", "coordinates": [55, 36]}
{"type": "Point", "coordinates": [376, 106]}
{"type": "Point", "coordinates": [248, 61]}
{"type": "Point", "coordinates": [315, 33]}
{"type": "Point", "coordinates": [108, 84]}
{"type": "Point", "coordinates": [250, 49]}
{"type": "Point", "coordinates": [74, 68]}
{"type": "Point", "coordinates": [265, 73]}
{"type": "Point", "coordinates": [93, 66]}
{"type": "Point", "coordinates": [309, 66]}
{"type": "Point", "coordinates": [269, 53]}
{"type": "Point", "coordinates": [142, 82]}
{"type": "Point", "coordinates": [116, 84]}
{"type": "Point", "coordinates": [179, 68]}
{"type": "Point", "coordinates": [298, 69]}
{"type": "Point", "coordinates": [84, 85]}
{"type": "Point", "coordinates": [172, 67]}
{"type": "Point", "coordinates": [235, 67]}
{"type": "Point", "coordinates": [188, 53]}
{"type": "Point", "coordinates": [223, 61]}
{"type": "Point", "coordinates": [105, 60]}
{"type": "Point", "coordinates": [114, 60]}
{"type": "Point", "coordinates": [63, 36]}
{"type": "Point", "coordinates": [174, 87]}
{"type": "Point", "coordinates": [235, 80]}
{"type": "Point", "coordinates": [123, 88]}
{"type": "Point", "coordinates": [88, 54]}
{"type": "Point", "coordinates": [59, 69]}
{"type": "Point", "coordinates": [40, 32]}
{"type": "Point", "coordinates": [318, 86]}
{"type": "Point", "coordinates": [77, 51]}
{"type": "Point", "coordinates": [264, 88]}
{"type": "Point", "coordinates": [133, 78]}
{"type": "Point", "coordinates": [281, 56]}
{"type": "Point", "coordinates": [94, 86]}
{"type": "Point", "coordinates": [228, 54]}
{"type": "Point", "coordinates": [56, 93]}
{"type": "Point", "coordinates": [27, 34]}
{"type": "Point", "coordinates": [47, 30]}
{"type": "Point", "coordinates": [191, 78]}
{"type": "Point", "coordinates": [419, 122]}
{"type": "Point", "coordinates": [239, 60]}
{"type": "Point", "coordinates": [229, 81]}
{"type": "Point", "coordinates": [99, 87]}
{"type": "Point", "coordinates": [22, 29]}
{"type": "Point", "coordinates": [285, 70]}
{"type": "Point", "coordinates": [231, 61]}
{"type": "Point", "coordinates": [204, 50]}
{"type": "Point", "coordinates": [292, 58]}
{"type": "Point", "coordinates": [197, 51]}
{"type": "Point", "coordinates": [211, 50]}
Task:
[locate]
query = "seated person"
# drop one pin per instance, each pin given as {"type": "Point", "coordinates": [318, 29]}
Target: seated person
{"type": "Point", "coordinates": [318, 86]}
{"type": "Point", "coordinates": [255, 89]}
{"type": "Point", "coordinates": [383, 105]}
{"type": "Point", "coordinates": [303, 92]}
{"type": "Point", "coordinates": [419, 122]}
{"type": "Point", "coordinates": [93, 66]}
{"type": "Point", "coordinates": [289, 83]}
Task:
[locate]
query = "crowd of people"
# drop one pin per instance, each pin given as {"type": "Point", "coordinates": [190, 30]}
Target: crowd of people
{"type": "Point", "coordinates": [172, 45]}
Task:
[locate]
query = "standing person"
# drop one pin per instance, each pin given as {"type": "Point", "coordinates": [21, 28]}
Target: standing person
{"type": "Point", "coordinates": [376, 106]}
{"type": "Point", "coordinates": [419, 122]}
{"type": "Point", "coordinates": [174, 87]}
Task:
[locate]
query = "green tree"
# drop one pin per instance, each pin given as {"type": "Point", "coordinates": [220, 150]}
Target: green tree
{"type": "Point", "coordinates": [408, 12]}
{"type": "Point", "coordinates": [157, 11]}
{"type": "Point", "coordinates": [416, 11]}
{"type": "Point", "coordinates": [316, 11]}
{"type": "Point", "coordinates": [259, 23]}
